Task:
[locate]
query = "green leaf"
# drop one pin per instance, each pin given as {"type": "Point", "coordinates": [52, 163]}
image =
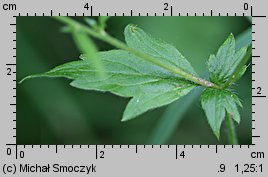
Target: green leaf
{"type": "Point", "coordinates": [87, 47]}
{"type": "Point", "coordinates": [172, 117]}
{"type": "Point", "coordinates": [143, 102]}
{"type": "Point", "coordinates": [222, 65]}
{"type": "Point", "coordinates": [216, 103]}
{"type": "Point", "coordinates": [137, 39]}
{"type": "Point", "coordinates": [127, 76]}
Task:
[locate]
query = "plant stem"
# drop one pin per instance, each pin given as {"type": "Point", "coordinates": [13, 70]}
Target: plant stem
{"type": "Point", "coordinates": [107, 38]}
{"type": "Point", "coordinates": [231, 130]}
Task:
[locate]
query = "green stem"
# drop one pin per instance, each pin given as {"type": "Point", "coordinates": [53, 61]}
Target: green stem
{"type": "Point", "coordinates": [107, 38]}
{"type": "Point", "coordinates": [231, 130]}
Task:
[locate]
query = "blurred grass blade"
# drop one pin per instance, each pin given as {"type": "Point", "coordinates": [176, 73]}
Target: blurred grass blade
{"type": "Point", "coordinates": [87, 47]}
{"type": "Point", "coordinates": [244, 39]}
{"type": "Point", "coordinates": [171, 118]}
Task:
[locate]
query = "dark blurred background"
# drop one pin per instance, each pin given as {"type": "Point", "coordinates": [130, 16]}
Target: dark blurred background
{"type": "Point", "coordinates": [49, 111]}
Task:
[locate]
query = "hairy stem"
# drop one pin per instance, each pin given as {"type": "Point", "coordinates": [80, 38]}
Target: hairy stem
{"type": "Point", "coordinates": [231, 130]}
{"type": "Point", "coordinates": [107, 38]}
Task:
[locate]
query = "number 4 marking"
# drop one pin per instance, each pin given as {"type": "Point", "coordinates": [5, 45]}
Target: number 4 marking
{"type": "Point", "coordinates": [86, 6]}
{"type": "Point", "coordinates": [182, 154]}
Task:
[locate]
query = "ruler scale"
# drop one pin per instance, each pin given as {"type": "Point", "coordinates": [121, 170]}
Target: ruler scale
{"type": "Point", "coordinates": [133, 160]}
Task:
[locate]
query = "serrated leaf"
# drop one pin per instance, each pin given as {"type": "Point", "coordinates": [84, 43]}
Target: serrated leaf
{"type": "Point", "coordinates": [137, 39]}
{"type": "Point", "coordinates": [216, 103]}
{"type": "Point", "coordinates": [241, 72]}
{"type": "Point", "coordinates": [222, 65]}
{"type": "Point", "coordinates": [141, 103]}
{"type": "Point", "coordinates": [128, 76]}
{"type": "Point", "coordinates": [86, 46]}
